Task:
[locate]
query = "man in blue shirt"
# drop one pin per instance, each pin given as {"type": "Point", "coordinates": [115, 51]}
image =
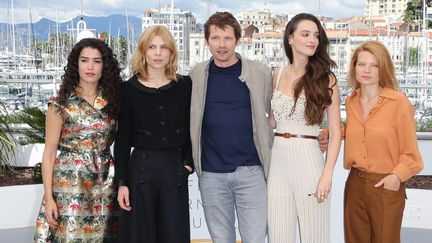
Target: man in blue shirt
{"type": "Point", "coordinates": [231, 136]}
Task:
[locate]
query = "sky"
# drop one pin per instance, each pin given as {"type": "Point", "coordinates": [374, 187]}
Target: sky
{"type": "Point", "coordinates": [68, 9]}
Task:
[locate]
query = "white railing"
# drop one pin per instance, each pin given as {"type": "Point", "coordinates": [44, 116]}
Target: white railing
{"type": "Point", "coordinates": [23, 77]}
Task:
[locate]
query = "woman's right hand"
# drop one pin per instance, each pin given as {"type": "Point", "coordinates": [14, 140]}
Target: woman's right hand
{"type": "Point", "coordinates": [51, 213]}
{"type": "Point", "coordinates": [123, 198]}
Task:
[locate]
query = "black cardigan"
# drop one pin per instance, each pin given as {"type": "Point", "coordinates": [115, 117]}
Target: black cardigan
{"type": "Point", "coordinates": [152, 118]}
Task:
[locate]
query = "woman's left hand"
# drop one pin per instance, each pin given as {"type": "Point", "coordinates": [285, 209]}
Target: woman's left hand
{"type": "Point", "coordinates": [323, 188]}
{"type": "Point", "coordinates": [390, 182]}
{"type": "Point", "coordinates": [188, 168]}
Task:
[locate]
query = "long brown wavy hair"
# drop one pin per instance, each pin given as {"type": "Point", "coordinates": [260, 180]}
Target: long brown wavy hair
{"type": "Point", "coordinates": [109, 83]}
{"type": "Point", "coordinates": [315, 81]}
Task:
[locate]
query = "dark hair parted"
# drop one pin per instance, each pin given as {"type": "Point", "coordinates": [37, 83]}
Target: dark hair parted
{"type": "Point", "coordinates": [222, 20]}
{"type": "Point", "coordinates": [109, 83]}
{"type": "Point", "coordinates": [315, 81]}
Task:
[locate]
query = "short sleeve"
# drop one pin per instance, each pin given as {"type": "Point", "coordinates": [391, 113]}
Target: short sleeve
{"type": "Point", "coordinates": [52, 101]}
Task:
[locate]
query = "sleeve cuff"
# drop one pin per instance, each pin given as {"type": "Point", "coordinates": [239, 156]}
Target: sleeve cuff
{"type": "Point", "coordinates": [189, 163]}
{"type": "Point", "coordinates": [121, 183]}
{"type": "Point", "coordinates": [402, 172]}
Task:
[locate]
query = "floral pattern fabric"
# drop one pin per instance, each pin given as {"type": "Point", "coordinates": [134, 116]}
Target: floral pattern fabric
{"type": "Point", "coordinates": [83, 176]}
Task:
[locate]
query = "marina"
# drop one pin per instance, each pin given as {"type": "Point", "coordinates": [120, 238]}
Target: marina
{"type": "Point", "coordinates": [31, 74]}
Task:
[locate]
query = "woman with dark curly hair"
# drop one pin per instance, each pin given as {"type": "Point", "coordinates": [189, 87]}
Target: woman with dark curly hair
{"type": "Point", "coordinates": [299, 179]}
{"type": "Point", "coordinates": [154, 121]}
{"type": "Point", "coordinates": [79, 200]}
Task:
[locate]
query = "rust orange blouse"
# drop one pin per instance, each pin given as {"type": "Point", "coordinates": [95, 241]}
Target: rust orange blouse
{"type": "Point", "coordinates": [386, 142]}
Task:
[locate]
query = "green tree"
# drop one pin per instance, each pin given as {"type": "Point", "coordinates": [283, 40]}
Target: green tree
{"type": "Point", "coordinates": [413, 14]}
{"type": "Point", "coordinates": [122, 51]}
{"type": "Point", "coordinates": [111, 42]}
{"type": "Point", "coordinates": [413, 56]}
{"type": "Point", "coordinates": [424, 121]}
{"type": "Point", "coordinates": [273, 22]}
{"type": "Point", "coordinates": [7, 145]}
{"type": "Point", "coordinates": [35, 118]}
{"type": "Point", "coordinates": [109, 39]}
{"type": "Point", "coordinates": [63, 48]}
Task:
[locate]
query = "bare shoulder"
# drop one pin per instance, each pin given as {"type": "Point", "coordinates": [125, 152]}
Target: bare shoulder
{"type": "Point", "coordinates": [277, 70]}
{"type": "Point", "coordinates": [332, 81]}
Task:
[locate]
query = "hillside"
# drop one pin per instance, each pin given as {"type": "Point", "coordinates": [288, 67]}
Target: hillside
{"type": "Point", "coordinates": [44, 27]}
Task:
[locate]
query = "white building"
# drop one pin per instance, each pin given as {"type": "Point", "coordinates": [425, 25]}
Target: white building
{"type": "Point", "coordinates": [199, 51]}
{"type": "Point", "coordinates": [383, 9]}
{"type": "Point", "coordinates": [268, 48]}
{"type": "Point", "coordinates": [256, 18]}
{"type": "Point", "coordinates": [339, 49]}
{"type": "Point", "coordinates": [263, 20]}
{"type": "Point", "coordinates": [183, 24]}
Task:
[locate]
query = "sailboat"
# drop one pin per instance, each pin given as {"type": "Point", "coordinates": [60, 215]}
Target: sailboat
{"type": "Point", "coordinates": [22, 75]}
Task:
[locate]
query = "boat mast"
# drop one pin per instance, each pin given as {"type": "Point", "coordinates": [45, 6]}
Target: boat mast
{"type": "Point", "coordinates": [172, 17]}
{"type": "Point", "coordinates": [13, 28]}
{"type": "Point", "coordinates": [57, 52]}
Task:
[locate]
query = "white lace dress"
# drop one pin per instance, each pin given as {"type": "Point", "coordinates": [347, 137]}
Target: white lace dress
{"type": "Point", "coordinates": [295, 168]}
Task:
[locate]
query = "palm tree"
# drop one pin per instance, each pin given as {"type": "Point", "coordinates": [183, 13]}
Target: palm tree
{"type": "Point", "coordinates": [273, 22]}
{"type": "Point", "coordinates": [414, 13]}
{"type": "Point", "coordinates": [35, 118]}
{"type": "Point", "coordinates": [7, 145]}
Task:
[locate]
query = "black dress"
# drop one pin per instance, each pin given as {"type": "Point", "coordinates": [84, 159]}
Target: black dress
{"type": "Point", "coordinates": [155, 122]}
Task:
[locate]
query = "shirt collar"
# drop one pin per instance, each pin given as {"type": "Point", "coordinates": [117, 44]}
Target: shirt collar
{"type": "Point", "coordinates": [386, 93]}
{"type": "Point", "coordinates": [99, 103]}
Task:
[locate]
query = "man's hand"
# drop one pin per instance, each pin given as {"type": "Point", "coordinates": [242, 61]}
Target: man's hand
{"type": "Point", "coordinates": [323, 140]}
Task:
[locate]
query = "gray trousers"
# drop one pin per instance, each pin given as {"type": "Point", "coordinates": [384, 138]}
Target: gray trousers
{"type": "Point", "coordinates": [244, 192]}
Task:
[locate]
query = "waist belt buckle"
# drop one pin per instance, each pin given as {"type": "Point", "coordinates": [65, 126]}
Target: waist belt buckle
{"type": "Point", "coordinates": [287, 135]}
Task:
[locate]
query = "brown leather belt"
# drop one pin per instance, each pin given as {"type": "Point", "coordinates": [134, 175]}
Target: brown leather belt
{"type": "Point", "coordinates": [290, 135]}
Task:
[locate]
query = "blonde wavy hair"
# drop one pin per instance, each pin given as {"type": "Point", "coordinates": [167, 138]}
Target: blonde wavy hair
{"type": "Point", "coordinates": [138, 61]}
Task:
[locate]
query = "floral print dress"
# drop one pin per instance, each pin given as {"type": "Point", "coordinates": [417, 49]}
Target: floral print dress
{"type": "Point", "coordinates": [83, 176]}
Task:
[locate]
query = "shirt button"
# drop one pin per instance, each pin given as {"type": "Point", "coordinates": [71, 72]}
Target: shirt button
{"type": "Point", "coordinates": [161, 107]}
{"type": "Point", "coordinates": [164, 138]}
{"type": "Point", "coordinates": [162, 123]}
